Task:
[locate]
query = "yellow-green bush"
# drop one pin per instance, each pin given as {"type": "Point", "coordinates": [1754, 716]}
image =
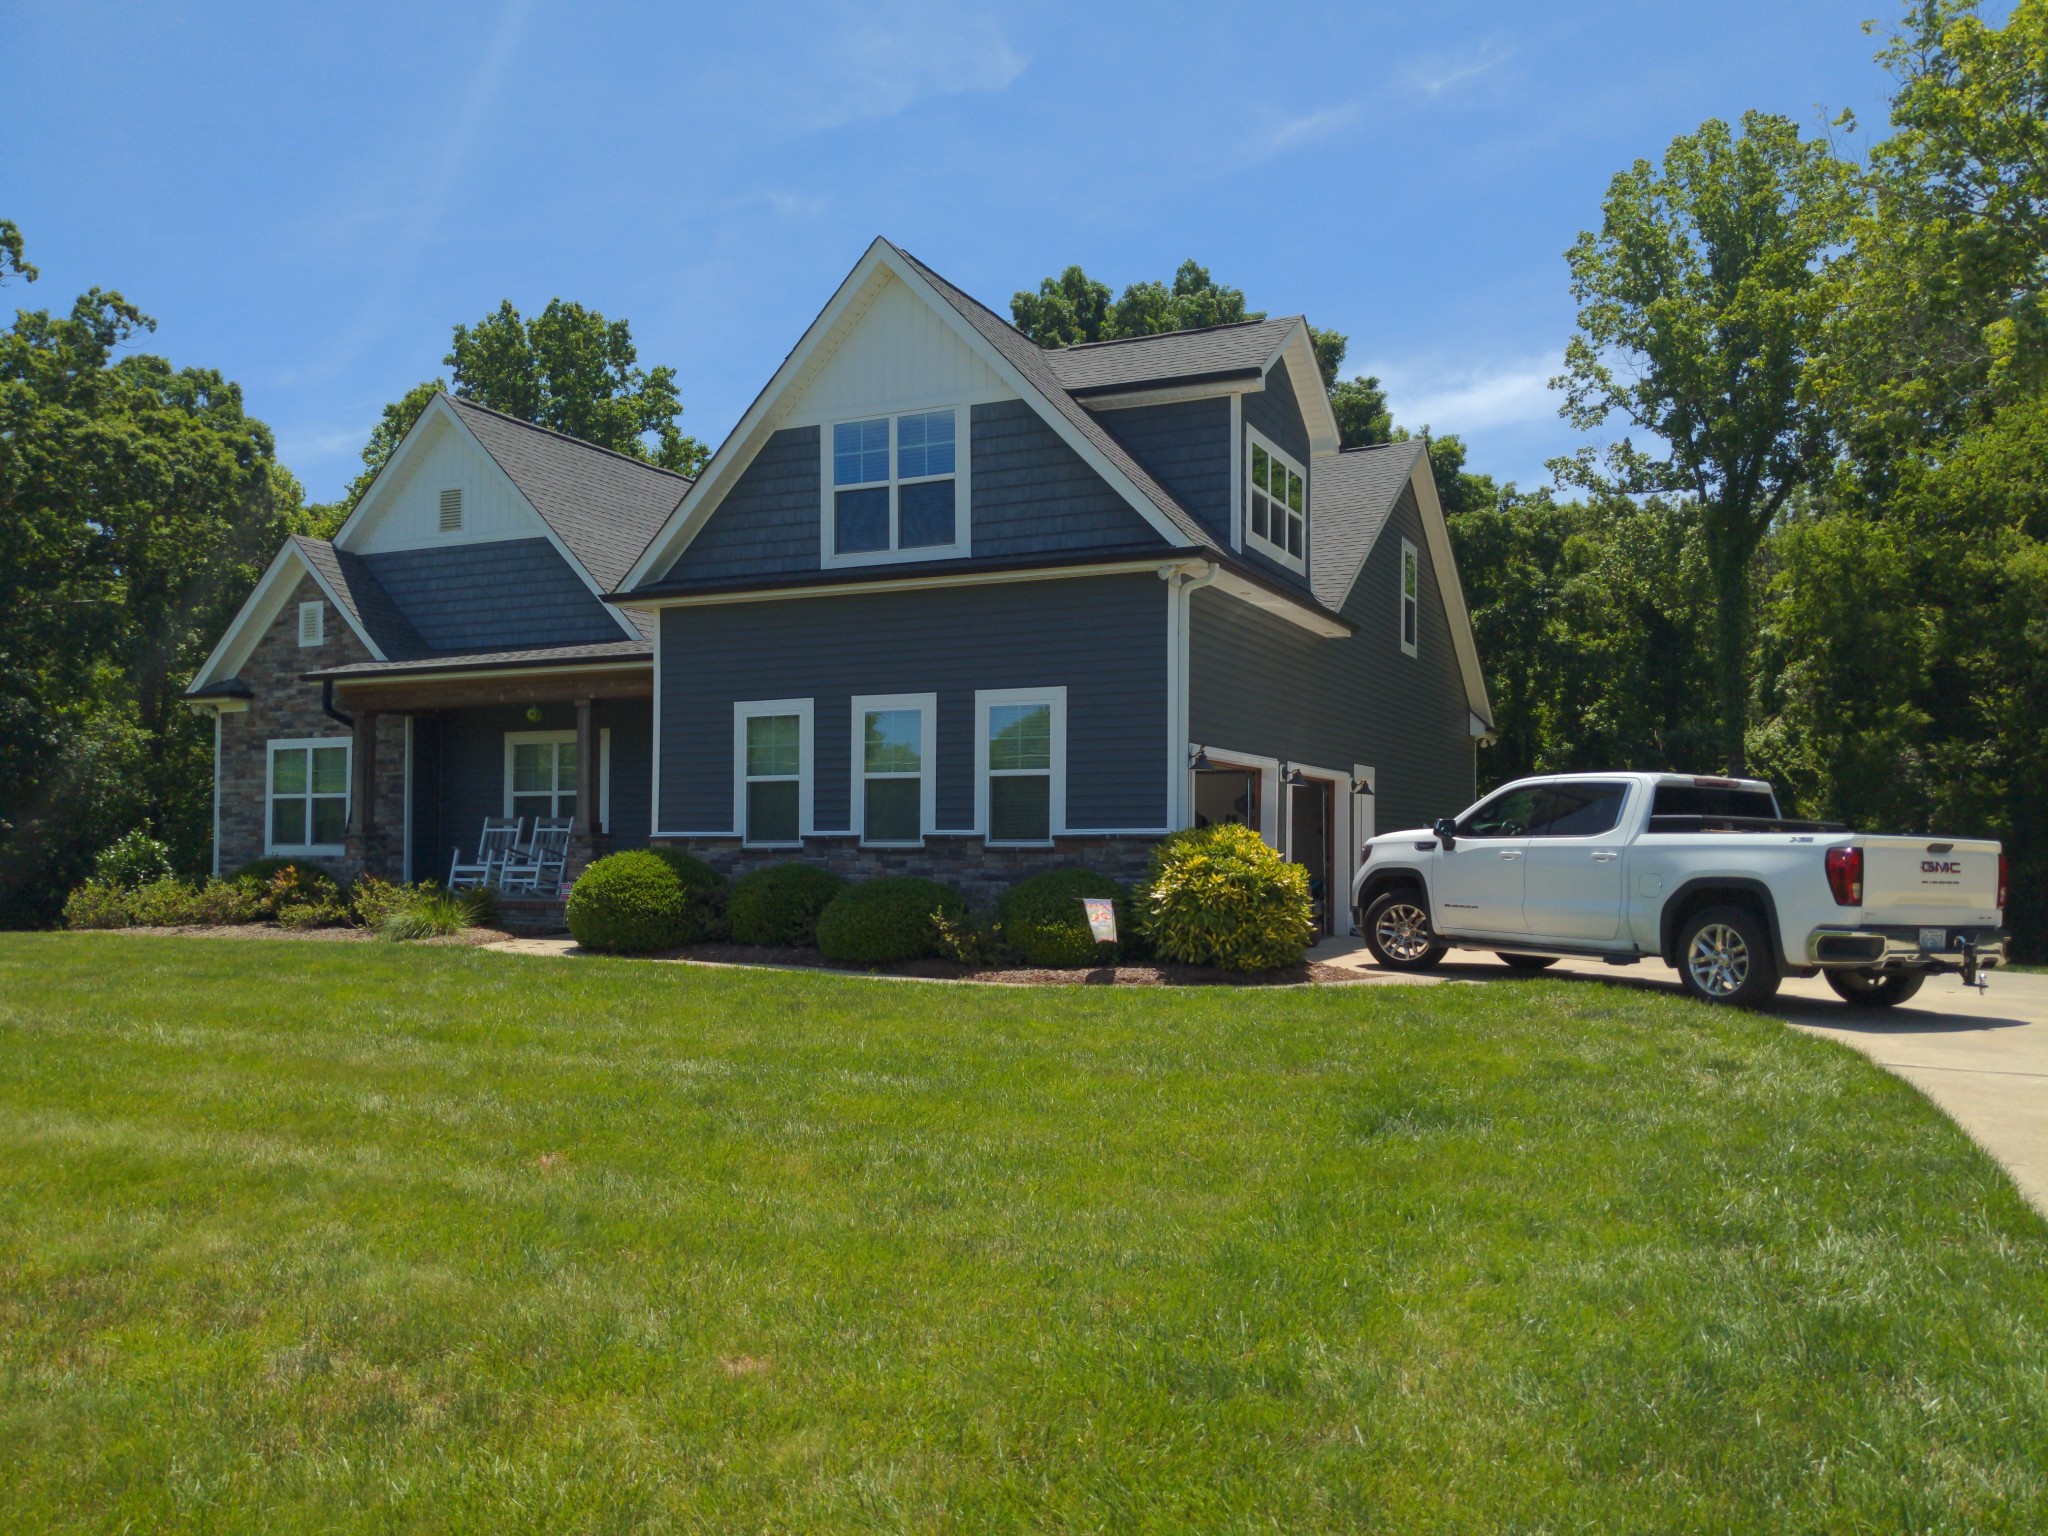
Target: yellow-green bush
{"type": "Point", "coordinates": [1220, 896]}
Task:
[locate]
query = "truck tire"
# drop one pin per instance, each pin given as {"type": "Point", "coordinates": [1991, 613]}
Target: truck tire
{"type": "Point", "coordinates": [1875, 989]}
{"type": "Point", "coordinates": [1525, 962]}
{"type": "Point", "coordinates": [1398, 934]}
{"type": "Point", "coordinates": [1724, 957]}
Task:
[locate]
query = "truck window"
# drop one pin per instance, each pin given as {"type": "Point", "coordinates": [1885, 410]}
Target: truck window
{"type": "Point", "coordinates": [1713, 800]}
{"type": "Point", "coordinates": [1508, 814]}
{"type": "Point", "coordinates": [1580, 810]}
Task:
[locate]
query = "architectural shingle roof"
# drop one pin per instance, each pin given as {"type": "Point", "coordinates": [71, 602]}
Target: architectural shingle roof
{"type": "Point", "coordinates": [367, 602]}
{"type": "Point", "coordinates": [1354, 492]}
{"type": "Point", "coordinates": [1216, 351]}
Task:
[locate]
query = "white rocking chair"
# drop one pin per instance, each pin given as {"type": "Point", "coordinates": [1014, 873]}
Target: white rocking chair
{"type": "Point", "coordinates": [537, 868]}
{"type": "Point", "coordinates": [498, 844]}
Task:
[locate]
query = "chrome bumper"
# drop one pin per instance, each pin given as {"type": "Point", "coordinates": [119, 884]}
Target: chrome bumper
{"type": "Point", "coordinates": [1964, 948]}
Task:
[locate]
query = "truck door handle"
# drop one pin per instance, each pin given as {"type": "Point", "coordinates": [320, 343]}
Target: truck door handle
{"type": "Point", "coordinates": [1511, 853]}
{"type": "Point", "coordinates": [1603, 858]}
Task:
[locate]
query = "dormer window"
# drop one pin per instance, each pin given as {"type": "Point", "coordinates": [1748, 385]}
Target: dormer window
{"type": "Point", "coordinates": [895, 489]}
{"type": "Point", "coordinates": [1276, 505]}
{"type": "Point", "coordinates": [451, 510]}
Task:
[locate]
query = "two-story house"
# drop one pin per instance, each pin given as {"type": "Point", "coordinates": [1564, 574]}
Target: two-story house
{"type": "Point", "coordinates": [944, 602]}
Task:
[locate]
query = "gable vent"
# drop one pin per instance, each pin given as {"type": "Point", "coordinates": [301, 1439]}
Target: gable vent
{"type": "Point", "coordinates": [312, 623]}
{"type": "Point", "coordinates": [451, 510]}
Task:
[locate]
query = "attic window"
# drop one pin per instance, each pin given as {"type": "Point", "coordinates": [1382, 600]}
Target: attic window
{"type": "Point", "coordinates": [1276, 506]}
{"type": "Point", "coordinates": [312, 623]}
{"type": "Point", "coordinates": [451, 510]}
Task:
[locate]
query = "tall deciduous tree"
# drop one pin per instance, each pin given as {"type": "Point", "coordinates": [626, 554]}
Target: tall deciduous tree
{"type": "Point", "coordinates": [1701, 297]}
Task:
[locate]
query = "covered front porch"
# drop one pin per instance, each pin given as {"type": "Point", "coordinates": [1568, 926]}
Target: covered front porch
{"type": "Point", "coordinates": [438, 748]}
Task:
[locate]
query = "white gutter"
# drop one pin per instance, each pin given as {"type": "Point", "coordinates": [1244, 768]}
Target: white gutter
{"type": "Point", "coordinates": [1183, 579]}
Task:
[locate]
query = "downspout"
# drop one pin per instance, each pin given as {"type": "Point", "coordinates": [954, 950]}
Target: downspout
{"type": "Point", "coordinates": [1181, 587]}
{"type": "Point", "coordinates": [327, 704]}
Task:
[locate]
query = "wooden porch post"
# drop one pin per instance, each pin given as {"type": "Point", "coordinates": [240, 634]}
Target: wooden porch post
{"type": "Point", "coordinates": [365, 764]}
{"type": "Point", "coordinates": [589, 782]}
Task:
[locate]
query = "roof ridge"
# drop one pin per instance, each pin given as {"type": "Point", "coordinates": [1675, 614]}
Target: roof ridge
{"type": "Point", "coordinates": [1186, 330]}
{"type": "Point", "coordinates": [580, 442]}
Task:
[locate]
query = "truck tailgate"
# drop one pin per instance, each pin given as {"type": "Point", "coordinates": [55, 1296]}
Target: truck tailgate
{"type": "Point", "coordinates": [1916, 880]}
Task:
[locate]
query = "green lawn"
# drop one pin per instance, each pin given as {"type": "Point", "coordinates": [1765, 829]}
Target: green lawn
{"type": "Point", "coordinates": [357, 1237]}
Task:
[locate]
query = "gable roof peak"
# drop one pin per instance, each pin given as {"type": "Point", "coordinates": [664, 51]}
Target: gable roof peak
{"type": "Point", "coordinates": [464, 403]}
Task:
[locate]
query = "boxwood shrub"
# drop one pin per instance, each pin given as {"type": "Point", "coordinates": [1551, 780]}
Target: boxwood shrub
{"type": "Point", "coordinates": [879, 922]}
{"type": "Point", "coordinates": [644, 899]}
{"type": "Point", "coordinates": [781, 904]}
{"type": "Point", "coordinates": [1044, 921]}
{"type": "Point", "coordinates": [1220, 896]}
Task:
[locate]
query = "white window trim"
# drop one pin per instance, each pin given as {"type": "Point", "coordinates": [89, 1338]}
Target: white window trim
{"type": "Point", "coordinates": [1056, 817]}
{"type": "Point", "coordinates": [1409, 557]}
{"type": "Point", "coordinates": [927, 706]}
{"type": "Point", "coordinates": [742, 712]}
{"type": "Point", "coordinates": [1252, 540]}
{"type": "Point", "coordinates": [317, 612]}
{"type": "Point", "coordinates": [604, 767]}
{"type": "Point", "coordinates": [963, 489]}
{"type": "Point", "coordinates": [348, 778]}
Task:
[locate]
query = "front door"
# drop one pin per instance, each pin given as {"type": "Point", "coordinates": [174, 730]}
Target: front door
{"type": "Point", "coordinates": [1309, 821]}
{"type": "Point", "coordinates": [1477, 883]}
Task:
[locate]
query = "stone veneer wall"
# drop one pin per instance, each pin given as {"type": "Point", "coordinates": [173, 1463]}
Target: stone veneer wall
{"type": "Point", "coordinates": [981, 873]}
{"type": "Point", "coordinates": [285, 706]}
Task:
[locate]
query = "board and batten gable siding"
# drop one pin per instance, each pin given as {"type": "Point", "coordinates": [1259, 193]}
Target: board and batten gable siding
{"type": "Point", "coordinates": [1185, 445]}
{"type": "Point", "coordinates": [459, 773]}
{"type": "Point", "coordinates": [507, 594]}
{"type": "Point", "coordinates": [1033, 495]}
{"type": "Point", "coordinates": [408, 514]}
{"type": "Point", "coordinates": [1258, 684]}
{"type": "Point", "coordinates": [1102, 638]}
{"type": "Point", "coordinates": [767, 524]}
{"type": "Point", "coordinates": [1275, 413]}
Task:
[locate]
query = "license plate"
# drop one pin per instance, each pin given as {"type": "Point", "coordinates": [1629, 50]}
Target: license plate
{"type": "Point", "coordinates": [1935, 939]}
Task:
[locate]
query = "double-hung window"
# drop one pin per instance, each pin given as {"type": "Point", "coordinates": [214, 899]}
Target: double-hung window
{"type": "Point", "coordinates": [892, 766]}
{"type": "Point", "coordinates": [1021, 763]}
{"type": "Point", "coordinates": [1276, 505]}
{"type": "Point", "coordinates": [772, 771]}
{"type": "Point", "coordinates": [1411, 598]}
{"type": "Point", "coordinates": [308, 795]}
{"type": "Point", "coordinates": [541, 774]}
{"type": "Point", "coordinates": [896, 491]}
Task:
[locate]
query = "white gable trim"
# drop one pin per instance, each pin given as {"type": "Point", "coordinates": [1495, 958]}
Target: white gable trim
{"type": "Point", "coordinates": [880, 262]}
{"type": "Point", "coordinates": [1306, 375]}
{"type": "Point", "coordinates": [260, 610]}
{"type": "Point", "coordinates": [1437, 534]}
{"type": "Point", "coordinates": [373, 505]}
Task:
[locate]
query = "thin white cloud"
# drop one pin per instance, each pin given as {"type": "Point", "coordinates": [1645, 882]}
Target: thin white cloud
{"type": "Point", "coordinates": [1305, 129]}
{"type": "Point", "coordinates": [1434, 77]}
{"type": "Point", "coordinates": [1466, 398]}
{"type": "Point", "coordinates": [890, 58]}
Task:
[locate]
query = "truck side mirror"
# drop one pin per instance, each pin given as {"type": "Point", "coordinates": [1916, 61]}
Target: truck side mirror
{"type": "Point", "coordinates": [1446, 832]}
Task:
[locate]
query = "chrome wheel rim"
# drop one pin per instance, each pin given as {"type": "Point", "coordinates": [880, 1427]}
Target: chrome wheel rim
{"type": "Point", "coordinates": [1718, 960]}
{"type": "Point", "coordinates": [1403, 932]}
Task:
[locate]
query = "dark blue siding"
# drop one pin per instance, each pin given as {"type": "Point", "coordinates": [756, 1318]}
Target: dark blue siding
{"type": "Point", "coordinates": [1276, 414]}
{"type": "Point", "coordinates": [767, 524]}
{"type": "Point", "coordinates": [1259, 684]}
{"type": "Point", "coordinates": [1186, 446]}
{"type": "Point", "coordinates": [1103, 638]}
{"type": "Point", "coordinates": [1033, 495]}
{"type": "Point", "coordinates": [459, 773]}
{"type": "Point", "coordinates": [508, 594]}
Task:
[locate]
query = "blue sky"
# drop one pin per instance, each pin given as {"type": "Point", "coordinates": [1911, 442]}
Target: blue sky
{"type": "Point", "coordinates": [309, 198]}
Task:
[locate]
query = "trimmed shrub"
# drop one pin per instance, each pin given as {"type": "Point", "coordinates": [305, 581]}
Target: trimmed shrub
{"type": "Point", "coordinates": [305, 898]}
{"type": "Point", "coordinates": [371, 899]}
{"type": "Point", "coordinates": [706, 887]}
{"type": "Point", "coordinates": [1220, 896]}
{"type": "Point", "coordinates": [781, 904]}
{"type": "Point", "coordinates": [220, 902]}
{"type": "Point", "coordinates": [287, 883]}
{"type": "Point", "coordinates": [879, 922]}
{"type": "Point", "coordinates": [970, 938]}
{"type": "Point", "coordinates": [133, 859]}
{"type": "Point", "coordinates": [641, 900]}
{"type": "Point", "coordinates": [1044, 921]}
{"type": "Point", "coordinates": [165, 903]}
{"type": "Point", "coordinates": [98, 904]}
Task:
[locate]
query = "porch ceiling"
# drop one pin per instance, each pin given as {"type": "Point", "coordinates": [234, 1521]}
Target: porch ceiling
{"type": "Point", "coordinates": [555, 685]}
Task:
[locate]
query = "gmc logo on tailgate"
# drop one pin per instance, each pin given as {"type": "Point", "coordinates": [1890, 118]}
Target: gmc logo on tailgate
{"type": "Point", "coordinates": [1940, 867]}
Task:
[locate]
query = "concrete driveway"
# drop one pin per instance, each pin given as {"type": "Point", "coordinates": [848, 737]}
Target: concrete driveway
{"type": "Point", "coordinates": [1983, 1057]}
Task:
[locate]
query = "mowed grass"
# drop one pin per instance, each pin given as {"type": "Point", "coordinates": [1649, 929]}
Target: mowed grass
{"type": "Point", "coordinates": [309, 1237]}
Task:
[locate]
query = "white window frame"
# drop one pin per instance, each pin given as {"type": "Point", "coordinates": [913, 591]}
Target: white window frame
{"type": "Point", "coordinates": [348, 794]}
{"type": "Point", "coordinates": [927, 706]}
{"type": "Point", "coordinates": [742, 712]}
{"type": "Point", "coordinates": [1411, 560]}
{"type": "Point", "coordinates": [1254, 540]}
{"type": "Point", "coordinates": [317, 612]}
{"type": "Point", "coordinates": [963, 536]}
{"type": "Point", "coordinates": [1056, 816]}
{"type": "Point", "coordinates": [604, 768]}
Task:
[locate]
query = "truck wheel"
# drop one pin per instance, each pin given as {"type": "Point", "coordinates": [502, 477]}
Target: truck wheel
{"type": "Point", "coordinates": [1527, 962]}
{"type": "Point", "coordinates": [1398, 934]}
{"type": "Point", "coordinates": [1724, 956]}
{"type": "Point", "coordinates": [1874, 988]}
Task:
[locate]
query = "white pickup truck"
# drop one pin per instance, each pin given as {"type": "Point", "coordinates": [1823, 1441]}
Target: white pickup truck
{"type": "Point", "coordinates": [1702, 873]}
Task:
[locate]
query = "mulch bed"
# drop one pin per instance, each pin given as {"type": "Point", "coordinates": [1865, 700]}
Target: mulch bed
{"type": "Point", "coordinates": [467, 938]}
{"type": "Point", "coordinates": [1148, 975]}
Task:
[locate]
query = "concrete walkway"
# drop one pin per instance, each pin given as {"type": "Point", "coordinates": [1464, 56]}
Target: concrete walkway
{"type": "Point", "coordinates": [1983, 1057]}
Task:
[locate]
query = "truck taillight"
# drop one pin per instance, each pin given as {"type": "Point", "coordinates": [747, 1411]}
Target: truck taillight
{"type": "Point", "coordinates": [2004, 882]}
{"type": "Point", "coordinates": [1845, 876]}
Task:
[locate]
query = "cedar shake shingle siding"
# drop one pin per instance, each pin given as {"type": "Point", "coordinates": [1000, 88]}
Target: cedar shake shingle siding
{"type": "Point", "coordinates": [491, 596]}
{"type": "Point", "coordinates": [1186, 446]}
{"type": "Point", "coordinates": [1258, 684]}
{"type": "Point", "coordinates": [1034, 496]}
{"type": "Point", "coordinates": [767, 524]}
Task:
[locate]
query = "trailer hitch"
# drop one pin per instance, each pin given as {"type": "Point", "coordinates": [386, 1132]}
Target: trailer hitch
{"type": "Point", "coordinates": [1973, 975]}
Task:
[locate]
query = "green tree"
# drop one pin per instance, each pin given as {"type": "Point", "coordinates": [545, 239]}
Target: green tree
{"type": "Point", "coordinates": [1073, 308]}
{"type": "Point", "coordinates": [138, 504]}
{"type": "Point", "coordinates": [1701, 298]}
